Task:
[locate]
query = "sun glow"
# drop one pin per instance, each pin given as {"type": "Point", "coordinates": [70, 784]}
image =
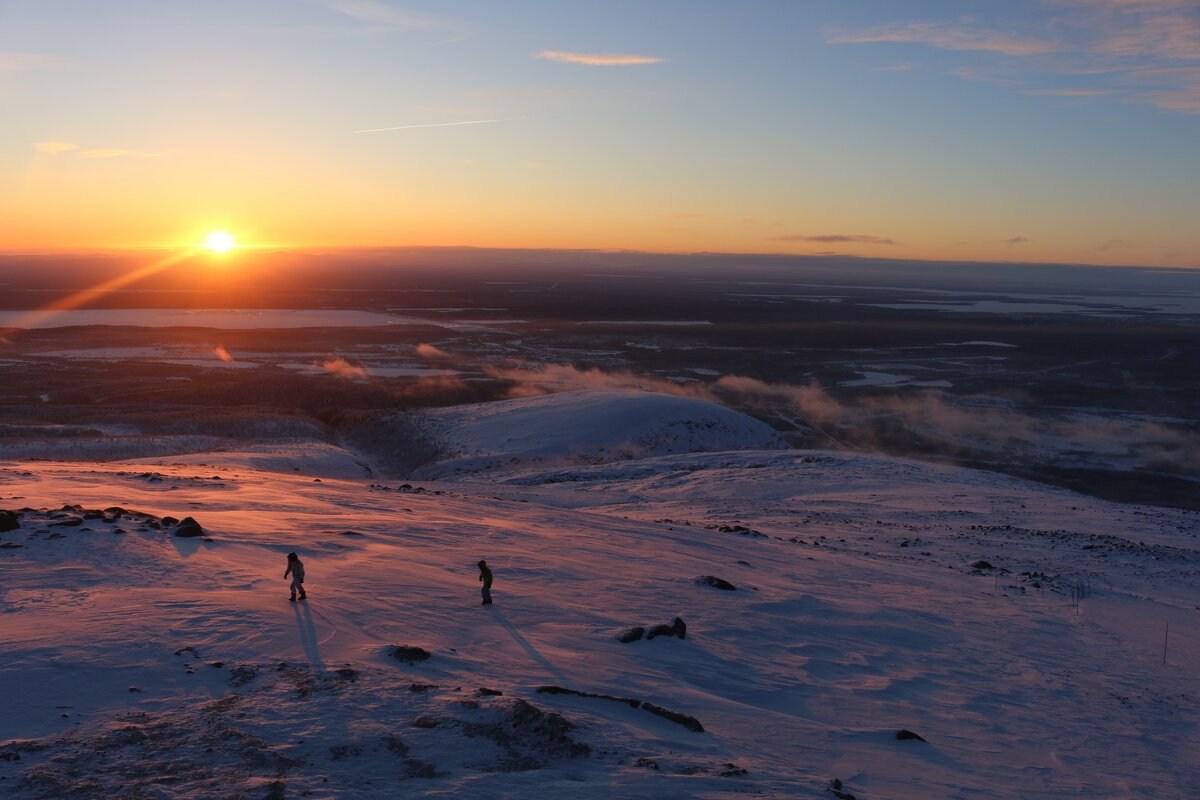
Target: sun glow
{"type": "Point", "coordinates": [219, 242]}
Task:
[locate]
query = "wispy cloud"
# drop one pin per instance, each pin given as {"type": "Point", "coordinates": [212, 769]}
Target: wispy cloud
{"type": "Point", "coordinates": [15, 64]}
{"type": "Point", "coordinates": [434, 125]}
{"type": "Point", "coordinates": [379, 14]}
{"type": "Point", "coordinates": [116, 153]}
{"type": "Point", "coordinates": [598, 59]}
{"type": "Point", "coordinates": [946, 36]}
{"type": "Point", "coordinates": [55, 147]}
{"type": "Point", "coordinates": [828, 238]}
{"type": "Point", "coordinates": [1147, 49]}
{"type": "Point", "coordinates": [1185, 99]}
{"type": "Point", "coordinates": [1014, 240]}
{"type": "Point", "coordinates": [1069, 92]}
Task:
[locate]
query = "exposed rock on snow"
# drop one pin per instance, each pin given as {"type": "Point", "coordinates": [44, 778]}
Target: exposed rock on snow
{"type": "Point", "coordinates": [686, 720]}
{"type": "Point", "coordinates": [631, 634]}
{"type": "Point", "coordinates": [186, 528]}
{"type": "Point", "coordinates": [677, 628]}
{"type": "Point", "coordinates": [716, 583]}
{"type": "Point", "coordinates": [409, 654]}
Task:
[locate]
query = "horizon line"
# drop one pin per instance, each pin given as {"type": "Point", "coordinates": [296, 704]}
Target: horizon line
{"type": "Point", "coordinates": [309, 248]}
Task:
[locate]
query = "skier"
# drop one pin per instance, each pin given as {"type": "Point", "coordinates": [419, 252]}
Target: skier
{"type": "Point", "coordinates": [296, 569]}
{"type": "Point", "coordinates": [485, 575]}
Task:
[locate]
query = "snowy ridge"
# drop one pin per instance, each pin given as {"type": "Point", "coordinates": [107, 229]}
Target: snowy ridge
{"type": "Point", "coordinates": [585, 426]}
{"type": "Point", "coordinates": [861, 608]}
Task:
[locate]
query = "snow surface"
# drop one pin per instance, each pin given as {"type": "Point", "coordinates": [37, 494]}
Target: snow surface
{"type": "Point", "coordinates": [586, 426]}
{"type": "Point", "coordinates": [136, 664]}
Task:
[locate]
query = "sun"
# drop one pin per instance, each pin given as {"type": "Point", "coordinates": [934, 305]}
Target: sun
{"type": "Point", "coordinates": [219, 242]}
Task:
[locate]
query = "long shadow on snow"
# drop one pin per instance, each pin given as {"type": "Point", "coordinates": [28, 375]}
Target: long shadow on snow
{"type": "Point", "coordinates": [526, 646]}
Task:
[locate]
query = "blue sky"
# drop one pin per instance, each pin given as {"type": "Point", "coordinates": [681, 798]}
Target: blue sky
{"type": "Point", "coordinates": [1055, 130]}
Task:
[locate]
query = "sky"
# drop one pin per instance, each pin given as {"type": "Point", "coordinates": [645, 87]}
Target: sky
{"type": "Point", "coordinates": [1022, 130]}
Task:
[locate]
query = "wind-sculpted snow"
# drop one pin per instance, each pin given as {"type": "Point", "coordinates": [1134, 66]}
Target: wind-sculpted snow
{"type": "Point", "coordinates": [587, 426]}
{"type": "Point", "coordinates": [138, 664]}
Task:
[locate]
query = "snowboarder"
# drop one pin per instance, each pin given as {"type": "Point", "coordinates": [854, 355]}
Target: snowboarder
{"type": "Point", "coordinates": [485, 575]}
{"type": "Point", "coordinates": [296, 569]}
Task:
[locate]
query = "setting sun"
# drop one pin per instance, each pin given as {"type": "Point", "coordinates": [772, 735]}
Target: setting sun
{"type": "Point", "coordinates": [219, 242]}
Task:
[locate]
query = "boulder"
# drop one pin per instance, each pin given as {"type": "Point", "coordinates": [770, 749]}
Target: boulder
{"type": "Point", "coordinates": [188, 528]}
{"type": "Point", "coordinates": [716, 583]}
{"type": "Point", "coordinates": [409, 654]}
{"type": "Point", "coordinates": [631, 635]}
{"type": "Point", "coordinates": [9, 521]}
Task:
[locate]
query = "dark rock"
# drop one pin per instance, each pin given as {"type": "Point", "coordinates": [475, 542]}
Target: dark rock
{"type": "Point", "coordinates": [421, 687]}
{"type": "Point", "coordinates": [547, 726]}
{"type": "Point", "coordinates": [486, 692]}
{"type": "Point", "coordinates": [10, 545]}
{"type": "Point", "coordinates": [9, 521]}
{"type": "Point", "coordinates": [409, 654]}
{"type": "Point", "coordinates": [732, 771]}
{"type": "Point", "coordinates": [69, 522]}
{"type": "Point", "coordinates": [349, 533]}
{"type": "Point", "coordinates": [560, 690]}
{"type": "Point", "coordinates": [905, 733]}
{"type": "Point", "coordinates": [981, 565]}
{"type": "Point", "coordinates": [660, 630]}
{"type": "Point", "coordinates": [217, 664]}
{"type": "Point", "coordinates": [415, 768]}
{"type": "Point", "coordinates": [188, 528]}
{"type": "Point", "coordinates": [425, 722]}
{"type": "Point", "coordinates": [631, 635]}
{"type": "Point", "coordinates": [646, 763]}
{"type": "Point", "coordinates": [346, 674]}
{"type": "Point", "coordinates": [134, 689]}
{"type": "Point", "coordinates": [677, 627]}
{"type": "Point", "coordinates": [170, 521]}
{"type": "Point", "coordinates": [687, 721]}
{"type": "Point", "coordinates": [716, 583]}
{"type": "Point", "coordinates": [241, 675]}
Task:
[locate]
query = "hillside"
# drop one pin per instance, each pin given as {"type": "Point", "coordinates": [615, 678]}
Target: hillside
{"type": "Point", "coordinates": [584, 426]}
{"type": "Point", "coordinates": [139, 664]}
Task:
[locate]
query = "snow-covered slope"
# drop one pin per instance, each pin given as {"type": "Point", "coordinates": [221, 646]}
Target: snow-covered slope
{"type": "Point", "coordinates": [586, 426]}
{"type": "Point", "coordinates": [138, 664]}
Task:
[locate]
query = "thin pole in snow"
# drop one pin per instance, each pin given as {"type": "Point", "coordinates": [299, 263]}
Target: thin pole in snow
{"type": "Point", "coordinates": [1166, 633]}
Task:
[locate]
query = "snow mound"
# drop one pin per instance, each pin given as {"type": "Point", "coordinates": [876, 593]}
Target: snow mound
{"type": "Point", "coordinates": [587, 427]}
{"type": "Point", "coordinates": [314, 459]}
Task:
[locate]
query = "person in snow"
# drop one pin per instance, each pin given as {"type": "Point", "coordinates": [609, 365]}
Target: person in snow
{"type": "Point", "coordinates": [296, 569]}
{"type": "Point", "coordinates": [485, 575]}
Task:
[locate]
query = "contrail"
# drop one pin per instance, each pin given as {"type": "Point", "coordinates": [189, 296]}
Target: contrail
{"type": "Point", "coordinates": [435, 125]}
